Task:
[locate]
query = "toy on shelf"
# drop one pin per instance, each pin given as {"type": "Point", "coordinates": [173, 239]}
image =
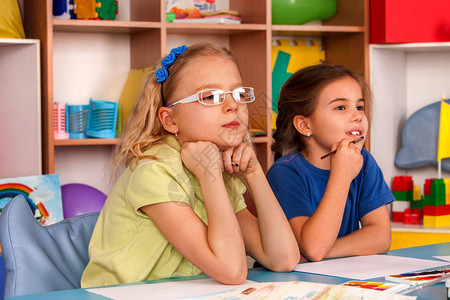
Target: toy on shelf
{"type": "Point", "coordinates": [108, 9]}
{"type": "Point", "coordinates": [59, 122]}
{"type": "Point", "coordinates": [436, 208]}
{"type": "Point", "coordinates": [76, 120]}
{"type": "Point", "coordinates": [403, 191]}
{"type": "Point", "coordinates": [102, 119]}
{"type": "Point", "coordinates": [86, 9]}
{"type": "Point", "coordinates": [63, 9]}
{"type": "Point", "coordinates": [409, 207]}
{"type": "Point", "coordinates": [201, 5]}
{"type": "Point", "coordinates": [298, 12]}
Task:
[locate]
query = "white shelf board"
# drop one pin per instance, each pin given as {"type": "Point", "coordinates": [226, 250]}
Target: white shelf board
{"type": "Point", "coordinates": [400, 227]}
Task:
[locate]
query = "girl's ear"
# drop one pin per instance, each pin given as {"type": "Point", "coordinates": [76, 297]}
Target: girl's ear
{"type": "Point", "coordinates": [301, 124]}
{"type": "Point", "coordinates": [165, 115]}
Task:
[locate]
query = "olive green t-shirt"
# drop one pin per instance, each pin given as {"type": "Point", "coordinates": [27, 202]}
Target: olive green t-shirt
{"type": "Point", "coordinates": [126, 246]}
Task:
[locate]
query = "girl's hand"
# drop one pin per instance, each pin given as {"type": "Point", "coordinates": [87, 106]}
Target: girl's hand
{"type": "Point", "coordinates": [240, 160]}
{"type": "Point", "coordinates": [203, 159]}
{"type": "Point", "coordinates": [347, 161]}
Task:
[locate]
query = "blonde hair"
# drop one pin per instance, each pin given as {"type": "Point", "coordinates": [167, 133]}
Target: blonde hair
{"type": "Point", "coordinates": [143, 128]}
{"type": "Point", "coordinates": [298, 96]}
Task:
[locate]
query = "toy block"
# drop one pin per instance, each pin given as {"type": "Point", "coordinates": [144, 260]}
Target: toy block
{"type": "Point", "coordinates": [86, 9]}
{"type": "Point", "coordinates": [418, 211]}
{"type": "Point", "coordinates": [427, 186]}
{"type": "Point", "coordinates": [417, 204]}
{"type": "Point", "coordinates": [431, 210]}
{"type": "Point", "coordinates": [436, 221]}
{"type": "Point", "coordinates": [403, 195]}
{"type": "Point", "coordinates": [417, 195]}
{"type": "Point", "coordinates": [447, 190]}
{"type": "Point", "coordinates": [411, 217]}
{"type": "Point", "coordinates": [108, 9]}
{"type": "Point", "coordinates": [400, 206]}
{"type": "Point", "coordinates": [402, 183]}
{"type": "Point", "coordinates": [397, 216]}
{"type": "Point", "coordinates": [434, 200]}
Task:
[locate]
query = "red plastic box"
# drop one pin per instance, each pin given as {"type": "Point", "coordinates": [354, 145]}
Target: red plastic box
{"type": "Point", "coordinates": [409, 21]}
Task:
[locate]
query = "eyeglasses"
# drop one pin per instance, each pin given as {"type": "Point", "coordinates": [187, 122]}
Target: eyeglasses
{"type": "Point", "coordinates": [216, 97]}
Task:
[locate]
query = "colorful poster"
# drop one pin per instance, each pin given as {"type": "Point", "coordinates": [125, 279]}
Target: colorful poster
{"type": "Point", "coordinates": [43, 193]}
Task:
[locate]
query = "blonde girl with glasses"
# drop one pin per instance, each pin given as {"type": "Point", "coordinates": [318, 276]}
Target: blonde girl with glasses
{"type": "Point", "coordinates": [326, 183]}
{"type": "Point", "coordinates": [178, 208]}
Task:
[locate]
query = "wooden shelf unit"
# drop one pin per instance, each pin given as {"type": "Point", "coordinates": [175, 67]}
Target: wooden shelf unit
{"type": "Point", "coordinates": [344, 38]}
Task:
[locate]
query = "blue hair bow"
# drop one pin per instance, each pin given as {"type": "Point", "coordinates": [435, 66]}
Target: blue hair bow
{"type": "Point", "coordinates": [162, 74]}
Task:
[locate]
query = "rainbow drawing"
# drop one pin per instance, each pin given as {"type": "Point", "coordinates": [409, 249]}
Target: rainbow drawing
{"type": "Point", "coordinates": [10, 190]}
{"type": "Point", "coordinates": [42, 192]}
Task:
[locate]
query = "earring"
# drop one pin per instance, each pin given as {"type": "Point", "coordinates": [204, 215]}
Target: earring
{"type": "Point", "coordinates": [308, 135]}
{"type": "Point", "coordinates": [176, 133]}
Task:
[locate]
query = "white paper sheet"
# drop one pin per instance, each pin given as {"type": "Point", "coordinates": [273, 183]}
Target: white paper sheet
{"type": "Point", "coordinates": [369, 266]}
{"type": "Point", "coordinates": [446, 258]}
{"type": "Point", "coordinates": [165, 290]}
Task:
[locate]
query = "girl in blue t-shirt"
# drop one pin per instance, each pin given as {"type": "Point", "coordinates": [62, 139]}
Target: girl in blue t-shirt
{"type": "Point", "coordinates": [336, 205]}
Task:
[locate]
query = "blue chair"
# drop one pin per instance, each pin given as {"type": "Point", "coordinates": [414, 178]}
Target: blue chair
{"type": "Point", "coordinates": [40, 258]}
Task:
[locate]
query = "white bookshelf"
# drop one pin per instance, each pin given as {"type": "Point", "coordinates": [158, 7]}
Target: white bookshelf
{"type": "Point", "coordinates": [20, 108]}
{"type": "Point", "coordinates": [404, 78]}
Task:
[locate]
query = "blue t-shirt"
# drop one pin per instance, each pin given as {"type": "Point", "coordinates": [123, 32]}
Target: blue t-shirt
{"type": "Point", "coordinates": [299, 187]}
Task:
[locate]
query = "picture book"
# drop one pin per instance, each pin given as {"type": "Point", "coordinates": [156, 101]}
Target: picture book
{"type": "Point", "coordinates": [418, 278]}
{"type": "Point", "coordinates": [43, 193]}
{"type": "Point", "coordinates": [300, 290]}
{"type": "Point", "coordinates": [386, 287]}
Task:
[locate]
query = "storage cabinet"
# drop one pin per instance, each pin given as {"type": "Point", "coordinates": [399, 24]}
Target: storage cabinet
{"type": "Point", "coordinates": [405, 78]}
{"type": "Point", "coordinates": [20, 108]}
{"type": "Point", "coordinates": [147, 36]}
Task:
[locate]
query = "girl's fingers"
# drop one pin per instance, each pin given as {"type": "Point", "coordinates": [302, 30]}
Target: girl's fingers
{"type": "Point", "coordinates": [227, 160]}
{"type": "Point", "coordinates": [245, 158]}
{"type": "Point", "coordinates": [236, 156]}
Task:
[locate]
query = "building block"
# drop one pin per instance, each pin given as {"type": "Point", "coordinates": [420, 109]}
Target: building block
{"type": "Point", "coordinates": [411, 217]}
{"type": "Point", "coordinates": [397, 216]}
{"type": "Point", "coordinates": [436, 221]}
{"type": "Point", "coordinates": [447, 190]}
{"type": "Point", "coordinates": [108, 9]}
{"type": "Point", "coordinates": [417, 204]}
{"type": "Point", "coordinates": [86, 9]}
{"type": "Point", "coordinates": [427, 186]}
{"type": "Point", "coordinates": [403, 195]}
{"type": "Point", "coordinates": [434, 200]}
{"type": "Point", "coordinates": [440, 210]}
{"type": "Point", "coordinates": [402, 184]}
{"type": "Point", "coordinates": [408, 21]}
{"type": "Point", "coordinates": [438, 187]}
{"type": "Point", "coordinates": [400, 206]}
{"type": "Point", "coordinates": [417, 195]}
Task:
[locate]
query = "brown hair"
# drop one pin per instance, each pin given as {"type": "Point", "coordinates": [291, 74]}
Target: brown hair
{"type": "Point", "coordinates": [143, 127]}
{"type": "Point", "coordinates": [298, 96]}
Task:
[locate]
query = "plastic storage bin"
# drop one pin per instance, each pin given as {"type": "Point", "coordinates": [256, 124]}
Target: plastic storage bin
{"type": "Point", "coordinates": [102, 119]}
{"type": "Point", "coordinates": [59, 122]}
{"type": "Point", "coordinates": [76, 120]}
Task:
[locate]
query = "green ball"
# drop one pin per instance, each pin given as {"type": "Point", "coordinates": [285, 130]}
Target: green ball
{"type": "Point", "coordinates": [298, 12]}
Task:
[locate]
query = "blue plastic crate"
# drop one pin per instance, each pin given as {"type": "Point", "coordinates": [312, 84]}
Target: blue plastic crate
{"type": "Point", "coordinates": [76, 120]}
{"type": "Point", "coordinates": [102, 119]}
